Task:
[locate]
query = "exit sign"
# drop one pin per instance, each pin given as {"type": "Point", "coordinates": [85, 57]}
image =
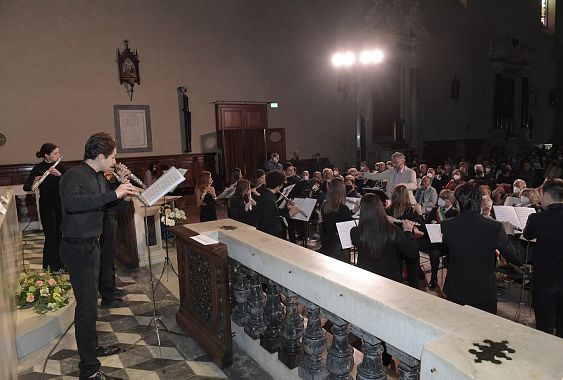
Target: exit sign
{"type": "Point", "coordinates": [273, 104]}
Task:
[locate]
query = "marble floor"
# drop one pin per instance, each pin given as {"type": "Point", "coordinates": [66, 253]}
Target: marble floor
{"type": "Point", "coordinates": [126, 327]}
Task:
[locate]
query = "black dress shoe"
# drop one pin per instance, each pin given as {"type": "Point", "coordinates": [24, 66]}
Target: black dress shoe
{"type": "Point", "coordinates": [433, 284]}
{"type": "Point", "coordinates": [117, 302]}
{"type": "Point", "coordinates": [100, 375]}
{"type": "Point", "coordinates": [107, 351]}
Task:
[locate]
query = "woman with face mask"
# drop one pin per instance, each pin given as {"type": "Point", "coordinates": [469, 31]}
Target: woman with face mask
{"type": "Point", "coordinates": [456, 180]}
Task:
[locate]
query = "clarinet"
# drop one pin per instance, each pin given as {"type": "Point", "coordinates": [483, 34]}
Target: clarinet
{"type": "Point", "coordinates": [36, 184]}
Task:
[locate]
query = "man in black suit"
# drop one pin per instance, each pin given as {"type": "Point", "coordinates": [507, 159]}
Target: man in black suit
{"type": "Point", "coordinates": [472, 241]}
{"type": "Point", "coordinates": [547, 281]}
{"type": "Point", "coordinates": [269, 219]}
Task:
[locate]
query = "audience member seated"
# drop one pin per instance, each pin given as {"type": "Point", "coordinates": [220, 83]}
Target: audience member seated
{"type": "Point", "coordinates": [351, 187]}
{"type": "Point", "coordinates": [530, 198]}
{"type": "Point", "coordinates": [426, 195]}
{"type": "Point", "coordinates": [273, 163]}
{"type": "Point", "coordinates": [506, 177]}
{"type": "Point", "coordinates": [514, 198]}
{"type": "Point", "coordinates": [456, 180]}
{"type": "Point", "coordinates": [472, 241]}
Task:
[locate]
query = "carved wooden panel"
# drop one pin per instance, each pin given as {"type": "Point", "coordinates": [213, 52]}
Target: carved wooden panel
{"type": "Point", "coordinates": [204, 310]}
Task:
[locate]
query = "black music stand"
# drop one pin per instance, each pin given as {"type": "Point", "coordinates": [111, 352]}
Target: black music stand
{"type": "Point", "coordinates": [156, 321]}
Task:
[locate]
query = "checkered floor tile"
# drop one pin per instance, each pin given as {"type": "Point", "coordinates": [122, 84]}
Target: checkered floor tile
{"type": "Point", "coordinates": [177, 357]}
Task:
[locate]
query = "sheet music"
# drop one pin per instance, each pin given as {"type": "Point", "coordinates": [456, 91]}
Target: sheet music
{"type": "Point", "coordinates": [523, 213]}
{"type": "Point", "coordinates": [507, 214]}
{"type": "Point", "coordinates": [434, 232]}
{"type": "Point", "coordinates": [511, 201]}
{"type": "Point", "coordinates": [343, 229]}
{"type": "Point", "coordinates": [307, 206]}
{"type": "Point", "coordinates": [227, 193]}
{"type": "Point", "coordinates": [204, 239]}
{"type": "Point", "coordinates": [161, 186]}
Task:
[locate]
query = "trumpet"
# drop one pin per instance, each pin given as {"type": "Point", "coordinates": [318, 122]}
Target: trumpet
{"type": "Point", "coordinates": [40, 180]}
{"type": "Point", "coordinates": [131, 176]}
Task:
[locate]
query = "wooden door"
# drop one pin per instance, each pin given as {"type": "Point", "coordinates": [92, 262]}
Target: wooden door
{"type": "Point", "coordinates": [241, 140]}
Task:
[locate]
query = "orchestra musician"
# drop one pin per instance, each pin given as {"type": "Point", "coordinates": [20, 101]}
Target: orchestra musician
{"type": "Point", "coordinates": [443, 211]}
{"type": "Point", "coordinates": [84, 198]}
{"type": "Point", "coordinates": [334, 210]}
{"type": "Point", "coordinates": [49, 202]}
{"type": "Point", "coordinates": [547, 279]}
{"type": "Point", "coordinates": [268, 215]}
{"type": "Point", "coordinates": [472, 241]}
{"type": "Point", "coordinates": [241, 206]}
{"type": "Point", "coordinates": [205, 197]}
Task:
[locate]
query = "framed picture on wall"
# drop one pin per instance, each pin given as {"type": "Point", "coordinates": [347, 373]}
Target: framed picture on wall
{"type": "Point", "coordinates": [132, 128]}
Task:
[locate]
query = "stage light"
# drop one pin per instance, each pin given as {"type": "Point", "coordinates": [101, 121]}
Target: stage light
{"type": "Point", "coordinates": [343, 59]}
{"type": "Point", "coordinates": [369, 57]}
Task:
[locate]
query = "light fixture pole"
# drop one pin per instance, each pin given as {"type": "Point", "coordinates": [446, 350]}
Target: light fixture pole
{"type": "Point", "coordinates": [348, 60]}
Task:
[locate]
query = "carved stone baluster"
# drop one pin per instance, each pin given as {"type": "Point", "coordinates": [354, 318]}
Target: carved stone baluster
{"type": "Point", "coordinates": [255, 324]}
{"type": "Point", "coordinates": [409, 369]}
{"type": "Point", "coordinates": [340, 358]}
{"type": "Point", "coordinates": [292, 330]}
{"type": "Point", "coordinates": [241, 291]}
{"type": "Point", "coordinates": [371, 368]}
{"type": "Point", "coordinates": [271, 338]}
{"type": "Point", "coordinates": [313, 366]}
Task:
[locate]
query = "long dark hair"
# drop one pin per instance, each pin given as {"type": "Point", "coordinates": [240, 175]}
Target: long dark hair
{"type": "Point", "coordinates": [46, 148]}
{"type": "Point", "coordinates": [377, 233]}
{"type": "Point", "coordinates": [336, 195]}
{"type": "Point", "coordinates": [400, 201]}
{"type": "Point", "coordinates": [241, 189]}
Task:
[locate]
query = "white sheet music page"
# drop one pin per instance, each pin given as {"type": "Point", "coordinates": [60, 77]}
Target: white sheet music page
{"type": "Point", "coordinates": [343, 229]}
{"type": "Point", "coordinates": [434, 232]}
{"type": "Point", "coordinates": [523, 213]}
{"type": "Point", "coordinates": [169, 180]}
{"type": "Point", "coordinates": [204, 239]}
{"type": "Point", "coordinates": [227, 193]}
{"type": "Point", "coordinates": [507, 214]}
{"type": "Point", "coordinates": [307, 206]}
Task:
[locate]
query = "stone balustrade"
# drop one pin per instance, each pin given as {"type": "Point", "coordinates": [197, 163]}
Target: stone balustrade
{"type": "Point", "coordinates": [432, 337]}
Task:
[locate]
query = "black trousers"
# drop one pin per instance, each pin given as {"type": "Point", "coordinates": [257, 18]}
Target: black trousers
{"type": "Point", "coordinates": [51, 217]}
{"type": "Point", "coordinates": [436, 251]}
{"type": "Point", "coordinates": [413, 269]}
{"type": "Point", "coordinates": [108, 244]}
{"type": "Point", "coordinates": [82, 260]}
{"type": "Point", "coordinates": [547, 294]}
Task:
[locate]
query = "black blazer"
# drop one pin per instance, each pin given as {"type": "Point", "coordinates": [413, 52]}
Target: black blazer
{"type": "Point", "coordinates": [330, 241]}
{"type": "Point", "coordinates": [268, 215]}
{"type": "Point", "coordinates": [546, 227]}
{"type": "Point", "coordinates": [472, 239]}
{"type": "Point", "coordinates": [388, 265]}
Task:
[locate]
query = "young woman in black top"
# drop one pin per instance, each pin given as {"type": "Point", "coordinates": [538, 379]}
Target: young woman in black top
{"type": "Point", "coordinates": [380, 243]}
{"type": "Point", "coordinates": [241, 206]}
{"type": "Point", "coordinates": [334, 210]}
{"type": "Point", "coordinates": [402, 209]}
{"type": "Point", "coordinates": [49, 202]}
{"type": "Point", "coordinates": [205, 197]}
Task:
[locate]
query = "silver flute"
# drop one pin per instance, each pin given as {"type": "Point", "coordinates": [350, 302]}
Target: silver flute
{"type": "Point", "coordinates": [131, 176]}
{"type": "Point", "coordinates": [121, 180]}
{"type": "Point", "coordinates": [47, 172]}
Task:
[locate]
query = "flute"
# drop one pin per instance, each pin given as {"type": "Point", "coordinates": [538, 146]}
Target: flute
{"type": "Point", "coordinates": [291, 202]}
{"type": "Point", "coordinates": [400, 221]}
{"type": "Point", "coordinates": [47, 172]}
{"type": "Point", "coordinates": [131, 176]}
{"type": "Point", "coordinates": [120, 180]}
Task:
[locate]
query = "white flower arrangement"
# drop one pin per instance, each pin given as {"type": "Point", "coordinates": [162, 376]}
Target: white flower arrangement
{"type": "Point", "coordinates": [171, 216]}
